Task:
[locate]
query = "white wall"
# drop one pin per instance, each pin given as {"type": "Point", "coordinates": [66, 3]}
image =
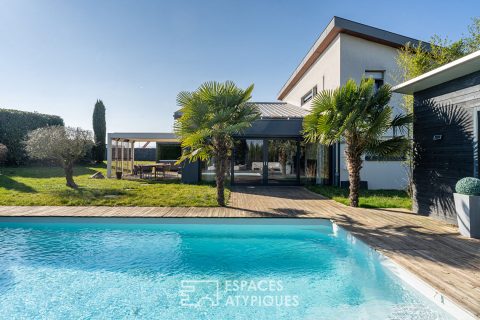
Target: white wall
{"type": "Point", "coordinates": [358, 55]}
{"type": "Point", "coordinates": [378, 174]}
{"type": "Point", "coordinates": [327, 67]}
{"type": "Point", "coordinates": [349, 57]}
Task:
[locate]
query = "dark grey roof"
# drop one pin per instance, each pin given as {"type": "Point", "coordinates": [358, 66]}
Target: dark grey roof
{"type": "Point", "coordinates": [272, 110]}
{"type": "Point", "coordinates": [280, 110]}
{"type": "Point", "coordinates": [375, 34]}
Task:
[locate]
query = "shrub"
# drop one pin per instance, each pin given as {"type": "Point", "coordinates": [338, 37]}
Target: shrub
{"type": "Point", "coordinates": [14, 127]}
{"type": "Point", "coordinates": [3, 153]}
{"type": "Point", "coordinates": [468, 186]}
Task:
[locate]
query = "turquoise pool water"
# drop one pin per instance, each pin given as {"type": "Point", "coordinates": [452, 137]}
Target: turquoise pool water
{"type": "Point", "coordinates": [196, 269]}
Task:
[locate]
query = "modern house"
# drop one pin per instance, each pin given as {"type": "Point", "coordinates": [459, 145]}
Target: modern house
{"type": "Point", "coordinates": [272, 150]}
{"type": "Point", "coordinates": [445, 132]}
{"type": "Point", "coordinates": [349, 50]}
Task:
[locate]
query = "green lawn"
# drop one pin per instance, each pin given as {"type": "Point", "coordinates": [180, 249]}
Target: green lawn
{"type": "Point", "coordinates": [368, 198]}
{"type": "Point", "coordinates": [26, 186]}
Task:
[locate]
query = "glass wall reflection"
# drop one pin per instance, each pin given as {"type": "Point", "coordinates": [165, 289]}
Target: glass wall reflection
{"type": "Point", "coordinates": [248, 162]}
{"type": "Point", "coordinates": [282, 161]}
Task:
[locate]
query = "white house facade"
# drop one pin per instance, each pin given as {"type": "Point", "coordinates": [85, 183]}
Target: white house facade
{"type": "Point", "coordinates": [349, 50]}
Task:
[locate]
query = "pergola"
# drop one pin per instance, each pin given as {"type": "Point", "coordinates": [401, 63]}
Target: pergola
{"type": "Point", "coordinates": [121, 147]}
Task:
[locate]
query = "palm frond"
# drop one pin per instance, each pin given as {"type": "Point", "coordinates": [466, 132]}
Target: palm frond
{"type": "Point", "coordinates": [214, 112]}
{"type": "Point", "coordinates": [379, 124]}
{"type": "Point", "coordinates": [396, 146]}
{"type": "Point", "coordinates": [401, 122]}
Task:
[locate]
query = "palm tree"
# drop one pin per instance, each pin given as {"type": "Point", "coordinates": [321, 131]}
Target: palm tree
{"type": "Point", "coordinates": [360, 116]}
{"type": "Point", "coordinates": [211, 116]}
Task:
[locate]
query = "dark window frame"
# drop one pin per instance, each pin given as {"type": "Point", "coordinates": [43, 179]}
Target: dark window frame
{"type": "Point", "coordinates": [378, 81]}
{"type": "Point", "coordinates": [309, 95]}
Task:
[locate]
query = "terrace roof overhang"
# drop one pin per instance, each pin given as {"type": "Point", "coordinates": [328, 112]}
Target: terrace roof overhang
{"type": "Point", "coordinates": [165, 137]}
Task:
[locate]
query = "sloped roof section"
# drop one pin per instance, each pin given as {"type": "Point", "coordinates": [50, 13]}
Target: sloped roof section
{"type": "Point", "coordinates": [340, 25]}
{"type": "Point", "coordinates": [282, 110]}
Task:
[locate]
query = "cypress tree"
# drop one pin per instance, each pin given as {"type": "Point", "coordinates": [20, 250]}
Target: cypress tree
{"type": "Point", "coordinates": [99, 131]}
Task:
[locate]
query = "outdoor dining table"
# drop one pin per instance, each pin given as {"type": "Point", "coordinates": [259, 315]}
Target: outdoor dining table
{"type": "Point", "coordinates": [156, 168]}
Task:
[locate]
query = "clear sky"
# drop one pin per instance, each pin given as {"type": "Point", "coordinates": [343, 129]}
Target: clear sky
{"type": "Point", "coordinates": [59, 57]}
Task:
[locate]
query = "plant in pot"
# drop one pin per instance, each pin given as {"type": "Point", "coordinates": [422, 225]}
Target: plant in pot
{"type": "Point", "coordinates": [467, 205]}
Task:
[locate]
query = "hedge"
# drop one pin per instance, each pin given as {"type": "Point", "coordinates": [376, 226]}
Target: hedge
{"type": "Point", "coordinates": [14, 127]}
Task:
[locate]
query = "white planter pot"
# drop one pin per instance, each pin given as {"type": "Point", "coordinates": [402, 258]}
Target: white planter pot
{"type": "Point", "coordinates": [468, 214]}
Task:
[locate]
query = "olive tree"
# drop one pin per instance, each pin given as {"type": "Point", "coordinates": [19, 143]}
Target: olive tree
{"type": "Point", "coordinates": [65, 145]}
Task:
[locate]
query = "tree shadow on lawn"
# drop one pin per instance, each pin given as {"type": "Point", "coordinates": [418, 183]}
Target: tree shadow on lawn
{"type": "Point", "coordinates": [10, 184]}
{"type": "Point", "coordinates": [157, 181]}
{"type": "Point", "coordinates": [42, 172]}
{"type": "Point", "coordinates": [91, 193]}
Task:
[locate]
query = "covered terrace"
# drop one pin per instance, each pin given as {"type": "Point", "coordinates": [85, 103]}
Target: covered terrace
{"type": "Point", "coordinates": [121, 149]}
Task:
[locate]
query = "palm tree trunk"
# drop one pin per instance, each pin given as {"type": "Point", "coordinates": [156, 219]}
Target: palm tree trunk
{"type": "Point", "coordinates": [220, 170]}
{"type": "Point", "coordinates": [354, 165]}
{"type": "Point", "coordinates": [68, 168]}
{"type": "Point", "coordinates": [282, 158]}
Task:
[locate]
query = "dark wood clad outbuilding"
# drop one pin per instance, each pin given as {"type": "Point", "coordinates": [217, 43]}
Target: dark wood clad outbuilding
{"type": "Point", "coordinates": [445, 133]}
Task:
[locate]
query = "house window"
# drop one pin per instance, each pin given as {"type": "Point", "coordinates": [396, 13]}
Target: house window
{"type": "Point", "coordinates": [309, 96]}
{"type": "Point", "coordinates": [377, 76]}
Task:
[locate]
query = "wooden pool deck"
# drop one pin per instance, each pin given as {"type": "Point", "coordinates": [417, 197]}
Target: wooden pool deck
{"type": "Point", "coordinates": [430, 249]}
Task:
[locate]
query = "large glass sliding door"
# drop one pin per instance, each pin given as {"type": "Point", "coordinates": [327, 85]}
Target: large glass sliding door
{"type": "Point", "coordinates": [283, 161]}
{"type": "Point", "coordinates": [266, 161]}
{"type": "Point", "coordinates": [248, 164]}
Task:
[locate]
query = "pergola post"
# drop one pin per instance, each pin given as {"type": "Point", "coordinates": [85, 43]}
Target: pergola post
{"type": "Point", "coordinates": [132, 156]}
{"type": "Point", "coordinates": [123, 154]}
{"type": "Point", "coordinates": [109, 156]}
{"type": "Point", "coordinates": [116, 155]}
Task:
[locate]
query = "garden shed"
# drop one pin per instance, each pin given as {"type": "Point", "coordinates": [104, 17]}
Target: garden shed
{"type": "Point", "coordinates": [445, 133]}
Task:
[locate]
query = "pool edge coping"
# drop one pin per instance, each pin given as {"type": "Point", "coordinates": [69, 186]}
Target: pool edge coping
{"type": "Point", "coordinates": [414, 281]}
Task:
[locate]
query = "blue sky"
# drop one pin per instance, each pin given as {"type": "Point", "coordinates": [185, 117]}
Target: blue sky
{"type": "Point", "coordinates": [58, 57]}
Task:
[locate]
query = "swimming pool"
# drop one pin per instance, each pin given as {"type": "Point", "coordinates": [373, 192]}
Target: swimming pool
{"type": "Point", "coordinates": [197, 269]}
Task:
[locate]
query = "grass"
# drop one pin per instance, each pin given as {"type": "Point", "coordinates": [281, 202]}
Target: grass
{"type": "Point", "coordinates": [368, 198]}
{"type": "Point", "coordinates": [28, 186]}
